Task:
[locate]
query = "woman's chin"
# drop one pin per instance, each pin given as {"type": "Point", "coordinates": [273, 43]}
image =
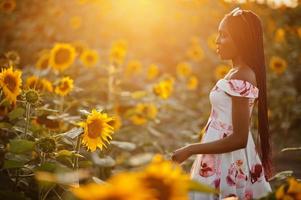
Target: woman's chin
{"type": "Point", "coordinates": [223, 57]}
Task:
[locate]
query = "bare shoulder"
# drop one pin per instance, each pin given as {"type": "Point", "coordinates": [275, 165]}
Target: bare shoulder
{"type": "Point", "coordinates": [245, 74]}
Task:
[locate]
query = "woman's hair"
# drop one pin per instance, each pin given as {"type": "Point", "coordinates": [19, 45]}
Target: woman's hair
{"type": "Point", "coordinates": [246, 31]}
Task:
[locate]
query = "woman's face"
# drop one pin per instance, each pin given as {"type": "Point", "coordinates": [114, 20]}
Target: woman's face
{"type": "Point", "coordinates": [226, 48]}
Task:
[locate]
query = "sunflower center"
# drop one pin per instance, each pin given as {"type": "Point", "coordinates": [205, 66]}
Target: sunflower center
{"type": "Point", "coordinates": [62, 56]}
{"type": "Point", "coordinates": [145, 110]}
{"type": "Point", "coordinates": [112, 122]}
{"type": "Point", "coordinates": [278, 65]}
{"type": "Point", "coordinates": [64, 86]}
{"type": "Point", "coordinates": [44, 64]}
{"type": "Point", "coordinates": [36, 85]}
{"type": "Point", "coordinates": [95, 128]}
{"type": "Point", "coordinates": [7, 5]}
{"type": "Point", "coordinates": [11, 82]}
{"type": "Point", "coordinates": [90, 58]}
{"type": "Point", "coordinates": [163, 190]}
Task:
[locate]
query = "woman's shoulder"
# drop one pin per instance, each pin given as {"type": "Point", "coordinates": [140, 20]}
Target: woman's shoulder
{"type": "Point", "coordinates": [245, 74]}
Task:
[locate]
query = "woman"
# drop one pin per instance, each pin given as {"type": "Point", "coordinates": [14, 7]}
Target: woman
{"type": "Point", "coordinates": [227, 158]}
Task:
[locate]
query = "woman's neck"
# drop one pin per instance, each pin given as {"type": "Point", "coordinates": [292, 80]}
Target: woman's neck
{"type": "Point", "coordinates": [238, 63]}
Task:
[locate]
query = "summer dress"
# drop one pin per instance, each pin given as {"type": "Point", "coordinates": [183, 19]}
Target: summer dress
{"type": "Point", "coordinates": [238, 173]}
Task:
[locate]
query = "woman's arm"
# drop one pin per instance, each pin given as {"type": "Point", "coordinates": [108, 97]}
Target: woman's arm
{"type": "Point", "coordinates": [237, 140]}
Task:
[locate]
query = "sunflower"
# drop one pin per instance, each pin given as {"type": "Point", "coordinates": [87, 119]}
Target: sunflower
{"type": "Point", "coordinates": [279, 35]}
{"type": "Point", "coordinates": [291, 189]}
{"type": "Point", "coordinates": [62, 56]}
{"type": "Point", "coordinates": [13, 57]}
{"type": "Point", "coordinates": [89, 58]}
{"type": "Point", "coordinates": [163, 88]}
{"type": "Point", "coordinates": [118, 52]}
{"type": "Point", "coordinates": [152, 72]}
{"type": "Point", "coordinates": [43, 84]}
{"type": "Point", "coordinates": [32, 97]}
{"type": "Point", "coordinates": [124, 186]}
{"type": "Point", "coordinates": [166, 180]}
{"type": "Point", "coordinates": [79, 46]}
{"type": "Point", "coordinates": [183, 69]}
{"type": "Point", "coordinates": [195, 53]}
{"type": "Point", "coordinates": [8, 6]}
{"type": "Point", "coordinates": [64, 87]}
{"type": "Point", "coordinates": [294, 186]}
{"type": "Point", "coordinates": [192, 83]}
{"type": "Point", "coordinates": [278, 65]}
{"type": "Point", "coordinates": [221, 71]}
{"type": "Point", "coordinates": [133, 67]}
{"type": "Point", "coordinates": [75, 22]}
{"type": "Point", "coordinates": [97, 130]}
{"type": "Point", "coordinates": [47, 85]}
{"type": "Point", "coordinates": [138, 119]}
{"type": "Point", "coordinates": [144, 112]}
{"type": "Point", "coordinates": [149, 110]}
{"type": "Point", "coordinates": [116, 122]}
{"type": "Point", "coordinates": [10, 82]}
{"type": "Point", "coordinates": [211, 41]}
{"type": "Point", "coordinates": [43, 61]}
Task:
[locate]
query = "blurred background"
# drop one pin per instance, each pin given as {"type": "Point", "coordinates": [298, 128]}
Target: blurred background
{"type": "Point", "coordinates": [149, 63]}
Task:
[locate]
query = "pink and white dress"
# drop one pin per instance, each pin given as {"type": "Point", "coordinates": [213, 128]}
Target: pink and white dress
{"type": "Point", "coordinates": [238, 173]}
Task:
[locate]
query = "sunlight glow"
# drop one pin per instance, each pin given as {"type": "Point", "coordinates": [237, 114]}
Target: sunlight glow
{"type": "Point", "coordinates": [271, 3]}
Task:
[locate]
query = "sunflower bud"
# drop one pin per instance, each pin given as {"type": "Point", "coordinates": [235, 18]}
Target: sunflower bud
{"type": "Point", "coordinates": [46, 145]}
{"type": "Point", "coordinates": [32, 96]}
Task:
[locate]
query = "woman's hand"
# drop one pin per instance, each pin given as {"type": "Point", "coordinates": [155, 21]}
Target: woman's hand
{"type": "Point", "coordinates": [180, 155]}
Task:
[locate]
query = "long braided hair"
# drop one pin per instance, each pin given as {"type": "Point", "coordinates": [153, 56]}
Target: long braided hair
{"type": "Point", "coordinates": [246, 31]}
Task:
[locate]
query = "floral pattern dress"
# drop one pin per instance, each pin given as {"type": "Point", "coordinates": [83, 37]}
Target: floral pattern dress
{"type": "Point", "coordinates": [238, 173]}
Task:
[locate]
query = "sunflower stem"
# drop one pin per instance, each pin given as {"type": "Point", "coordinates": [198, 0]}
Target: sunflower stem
{"type": "Point", "coordinates": [77, 148]}
{"type": "Point", "coordinates": [27, 118]}
{"type": "Point", "coordinates": [43, 158]}
{"type": "Point", "coordinates": [110, 83]}
{"type": "Point", "coordinates": [62, 105]}
{"type": "Point", "coordinates": [16, 180]}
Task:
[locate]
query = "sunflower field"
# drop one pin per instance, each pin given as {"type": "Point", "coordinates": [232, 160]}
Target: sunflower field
{"type": "Point", "coordinates": [95, 95]}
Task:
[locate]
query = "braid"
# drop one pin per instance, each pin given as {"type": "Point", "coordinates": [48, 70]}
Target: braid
{"type": "Point", "coordinates": [247, 34]}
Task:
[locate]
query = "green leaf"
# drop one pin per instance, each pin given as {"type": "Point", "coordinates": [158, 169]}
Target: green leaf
{"type": "Point", "coordinates": [64, 153]}
{"type": "Point", "coordinates": [16, 113]}
{"type": "Point", "coordinates": [48, 167]}
{"type": "Point", "coordinates": [8, 164]}
{"type": "Point", "coordinates": [124, 145]}
{"type": "Point", "coordinates": [67, 153]}
{"type": "Point", "coordinates": [291, 149]}
{"type": "Point", "coordinates": [73, 133]}
{"type": "Point", "coordinates": [103, 162]}
{"type": "Point", "coordinates": [98, 181]}
{"type": "Point", "coordinates": [140, 159]}
{"type": "Point", "coordinates": [198, 187]}
{"type": "Point", "coordinates": [85, 163]}
{"type": "Point", "coordinates": [5, 125]}
{"type": "Point", "coordinates": [20, 146]}
{"type": "Point", "coordinates": [282, 175]}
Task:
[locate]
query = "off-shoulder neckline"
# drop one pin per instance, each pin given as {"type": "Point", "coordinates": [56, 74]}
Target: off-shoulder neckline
{"type": "Point", "coordinates": [240, 80]}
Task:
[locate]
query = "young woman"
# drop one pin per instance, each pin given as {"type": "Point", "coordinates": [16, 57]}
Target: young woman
{"type": "Point", "coordinates": [227, 158]}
